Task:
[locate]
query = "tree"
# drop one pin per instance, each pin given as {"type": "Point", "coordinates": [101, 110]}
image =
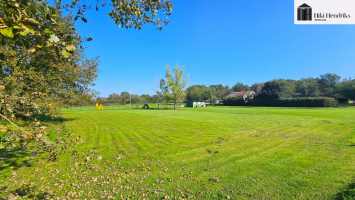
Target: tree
{"type": "Point", "coordinates": [348, 89]}
{"type": "Point", "coordinates": [256, 87]}
{"type": "Point", "coordinates": [34, 17]}
{"type": "Point", "coordinates": [145, 98]}
{"type": "Point", "coordinates": [113, 98]}
{"type": "Point", "coordinates": [124, 97]}
{"type": "Point", "coordinates": [176, 82]}
{"type": "Point", "coordinates": [238, 87]}
{"type": "Point", "coordinates": [307, 87]}
{"type": "Point", "coordinates": [290, 88]}
{"type": "Point", "coordinates": [155, 99]}
{"type": "Point", "coordinates": [164, 92]}
{"type": "Point", "coordinates": [32, 29]}
{"type": "Point", "coordinates": [41, 82]}
{"type": "Point", "coordinates": [196, 92]}
{"type": "Point", "coordinates": [210, 94]}
{"type": "Point", "coordinates": [222, 92]}
{"type": "Point", "coordinates": [135, 98]}
{"type": "Point", "coordinates": [44, 78]}
{"type": "Point", "coordinates": [327, 84]}
{"type": "Point", "coordinates": [217, 87]}
{"type": "Point", "coordinates": [31, 25]}
{"type": "Point", "coordinates": [274, 89]}
{"type": "Point", "coordinates": [160, 87]}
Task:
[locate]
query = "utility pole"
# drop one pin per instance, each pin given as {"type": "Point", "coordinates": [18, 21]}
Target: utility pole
{"type": "Point", "coordinates": [130, 99]}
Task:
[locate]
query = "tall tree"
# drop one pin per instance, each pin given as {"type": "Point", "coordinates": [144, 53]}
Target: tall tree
{"type": "Point", "coordinates": [32, 29]}
{"type": "Point", "coordinates": [307, 87]}
{"type": "Point", "coordinates": [348, 89]}
{"type": "Point", "coordinates": [327, 84]}
{"type": "Point", "coordinates": [238, 87]}
{"type": "Point", "coordinates": [124, 97]}
{"type": "Point", "coordinates": [37, 75]}
{"type": "Point", "coordinates": [274, 89]}
{"type": "Point", "coordinates": [210, 94]}
{"type": "Point", "coordinates": [196, 92]}
{"type": "Point", "coordinates": [41, 80]}
{"type": "Point", "coordinates": [114, 98]}
{"type": "Point", "coordinates": [176, 83]}
{"type": "Point", "coordinates": [164, 92]}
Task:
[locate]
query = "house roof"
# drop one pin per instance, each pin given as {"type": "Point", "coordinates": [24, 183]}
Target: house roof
{"type": "Point", "coordinates": [304, 6]}
{"type": "Point", "coordinates": [238, 94]}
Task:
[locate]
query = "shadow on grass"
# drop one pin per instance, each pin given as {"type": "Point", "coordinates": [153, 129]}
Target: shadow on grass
{"type": "Point", "coordinates": [51, 119]}
{"type": "Point", "coordinates": [347, 194]}
{"type": "Point", "coordinates": [17, 158]}
{"type": "Point", "coordinates": [25, 191]}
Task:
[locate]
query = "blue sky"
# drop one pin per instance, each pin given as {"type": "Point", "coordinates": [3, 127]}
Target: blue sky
{"type": "Point", "coordinates": [219, 42]}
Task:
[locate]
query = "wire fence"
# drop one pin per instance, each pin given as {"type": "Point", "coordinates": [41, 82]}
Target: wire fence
{"type": "Point", "coordinates": [92, 107]}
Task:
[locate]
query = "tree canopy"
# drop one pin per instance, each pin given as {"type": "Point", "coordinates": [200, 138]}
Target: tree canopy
{"type": "Point", "coordinates": [176, 82]}
{"type": "Point", "coordinates": [42, 62]}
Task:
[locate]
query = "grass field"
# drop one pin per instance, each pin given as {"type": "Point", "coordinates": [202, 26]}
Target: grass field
{"type": "Point", "coordinates": [203, 153]}
{"type": "Point", "coordinates": [119, 107]}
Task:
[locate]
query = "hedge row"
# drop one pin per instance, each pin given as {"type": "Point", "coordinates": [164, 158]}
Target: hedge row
{"type": "Point", "coordinates": [283, 102]}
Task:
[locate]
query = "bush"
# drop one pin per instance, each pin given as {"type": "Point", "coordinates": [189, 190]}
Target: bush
{"type": "Point", "coordinates": [343, 100]}
{"type": "Point", "coordinates": [234, 101]}
{"type": "Point", "coordinates": [283, 102]}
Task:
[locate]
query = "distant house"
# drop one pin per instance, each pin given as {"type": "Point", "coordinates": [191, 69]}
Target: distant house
{"type": "Point", "coordinates": [238, 94]}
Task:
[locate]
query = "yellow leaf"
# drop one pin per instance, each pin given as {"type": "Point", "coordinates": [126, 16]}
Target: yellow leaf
{"type": "Point", "coordinates": [3, 128]}
{"type": "Point", "coordinates": [25, 136]}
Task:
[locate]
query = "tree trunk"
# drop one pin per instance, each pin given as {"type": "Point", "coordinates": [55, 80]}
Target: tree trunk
{"type": "Point", "coordinates": [175, 106]}
{"type": "Point", "coordinates": [158, 101]}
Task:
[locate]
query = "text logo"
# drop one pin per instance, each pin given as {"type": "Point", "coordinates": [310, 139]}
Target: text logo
{"type": "Point", "coordinates": [304, 13]}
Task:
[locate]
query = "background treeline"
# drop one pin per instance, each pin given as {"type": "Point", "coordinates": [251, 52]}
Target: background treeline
{"type": "Point", "coordinates": [327, 90]}
{"type": "Point", "coordinates": [283, 102]}
{"type": "Point", "coordinates": [327, 85]}
{"type": "Point", "coordinates": [123, 98]}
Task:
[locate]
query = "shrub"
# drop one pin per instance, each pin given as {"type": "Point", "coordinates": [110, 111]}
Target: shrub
{"type": "Point", "coordinates": [235, 101]}
{"type": "Point", "coordinates": [343, 100]}
{"type": "Point", "coordinates": [330, 102]}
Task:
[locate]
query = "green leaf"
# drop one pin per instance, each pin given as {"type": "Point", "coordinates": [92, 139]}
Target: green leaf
{"type": "Point", "coordinates": [32, 7]}
{"type": "Point", "coordinates": [23, 33]}
{"type": "Point", "coordinates": [39, 45]}
{"type": "Point", "coordinates": [42, 9]}
{"type": "Point", "coordinates": [70, 48]}
{"type": "Point", "coordinates": [48, 31]}
{"type": "Point", "coordinates": [52, 9]}
{"type": "Point", "coordinates": [2, 56]}
{"type": "Point", "coordinates": [54, 38]}
{"type": "Point", "coordinates": [7, 32]}
{"type": "Point", "coordinates": [65, 53]}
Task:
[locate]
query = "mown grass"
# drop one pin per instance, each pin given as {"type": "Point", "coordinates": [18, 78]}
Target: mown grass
{"type": "Point", "coordinates": [118, 107]}
{"type": "Point", "coordinates": [203, 153]}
